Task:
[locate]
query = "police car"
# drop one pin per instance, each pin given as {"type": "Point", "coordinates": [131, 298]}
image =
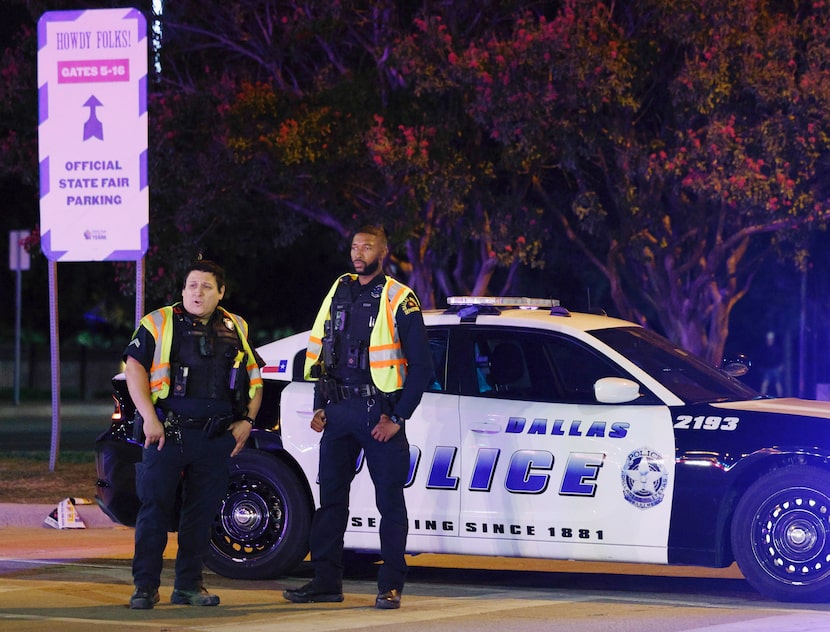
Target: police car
{"type": "Point", "coordinates": [544, 434]}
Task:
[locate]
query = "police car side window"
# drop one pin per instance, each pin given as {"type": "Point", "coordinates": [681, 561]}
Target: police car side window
{"type": "Point", "coordinates": [536, 366]}
{"type": "Point", "coordinates": [577, 368]}
{"type": "Point", "coordinates": [510, 365]}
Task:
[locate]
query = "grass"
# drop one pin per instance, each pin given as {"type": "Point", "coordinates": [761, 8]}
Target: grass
{"type": "Point", "coordinates": [25, 477]}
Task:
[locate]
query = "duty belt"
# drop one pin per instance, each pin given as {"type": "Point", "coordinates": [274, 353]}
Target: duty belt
{"type": "Point", "coordinates": [181, 420]}
{"type": "Point", "coordinates": [193, 422]}
{"type": "Point", "coordinates": [350, 391]}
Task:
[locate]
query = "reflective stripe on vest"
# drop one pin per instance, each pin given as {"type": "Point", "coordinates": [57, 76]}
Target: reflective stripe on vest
{"type": "Point", "coordinates": [160, 324]}
{"type": "Point", "coordinates": [315, 348]}
{"type": "Point", "coordinates": [386, 359]}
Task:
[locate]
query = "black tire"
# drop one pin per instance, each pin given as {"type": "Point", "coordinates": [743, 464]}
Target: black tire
{"type": "Point", "coordinates": [261, 529]}
{"type": "Point", "coordinates": [781, 534]}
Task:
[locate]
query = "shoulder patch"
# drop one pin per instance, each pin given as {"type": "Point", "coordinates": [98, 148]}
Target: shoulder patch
{"type": "Point", "coordinates": [410, 305]}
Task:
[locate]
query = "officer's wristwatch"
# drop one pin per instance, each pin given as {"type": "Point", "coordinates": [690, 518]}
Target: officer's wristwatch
{"type": "Point", "coordinates": [396, 420]}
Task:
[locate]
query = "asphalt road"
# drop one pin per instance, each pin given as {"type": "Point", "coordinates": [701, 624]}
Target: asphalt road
{"type": "Point", "coordinates": [73, 580]}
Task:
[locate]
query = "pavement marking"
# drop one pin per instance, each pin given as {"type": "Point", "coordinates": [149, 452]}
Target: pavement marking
{"type": "Point", "coordinates": [66, 562]}
{"type": "Point", "coordinates": [101, 622]}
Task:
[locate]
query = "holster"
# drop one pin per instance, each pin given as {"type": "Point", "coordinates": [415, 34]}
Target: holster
{"type": "Point", "coordinates": [328, 389]}
{"type": "Point", "coordinates": [168, 420]}
{"type": "Point", "coordinates": [329, 347]}
{"type": "Point", "coordinates": [138, 427]}
{"type": "Point", "coordinates": [217, 425]}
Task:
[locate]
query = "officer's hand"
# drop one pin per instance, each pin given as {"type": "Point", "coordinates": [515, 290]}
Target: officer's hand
{"type": "Point", "coordinates": [318, 422]}
{"type": "Point", "coordinates": [153, 433]}
{"type": "Point", "coordinates": [385, 429]}
{"type": "Point", "coordinates": [240, 430]}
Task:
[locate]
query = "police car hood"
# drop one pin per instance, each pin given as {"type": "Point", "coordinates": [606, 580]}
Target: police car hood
{"type": "Point", "coordinates": [782, 406]}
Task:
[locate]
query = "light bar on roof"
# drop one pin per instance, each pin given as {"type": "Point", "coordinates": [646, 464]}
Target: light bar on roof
{"type": "Point", "coordinates": [503, 301]}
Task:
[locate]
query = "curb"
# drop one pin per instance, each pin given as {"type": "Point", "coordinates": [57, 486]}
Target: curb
{"type": "Point", "coordinates": [20, 515]}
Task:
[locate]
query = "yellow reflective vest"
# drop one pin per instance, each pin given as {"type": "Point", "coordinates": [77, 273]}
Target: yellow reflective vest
{"type": "Point", "coordinates": [160, 325]}
{"type": "Point", "coordinates": [387, 363]}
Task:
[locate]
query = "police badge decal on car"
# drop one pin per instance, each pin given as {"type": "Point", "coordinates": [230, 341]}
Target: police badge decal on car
{"type": "Point", "coordinates": [644, 478]}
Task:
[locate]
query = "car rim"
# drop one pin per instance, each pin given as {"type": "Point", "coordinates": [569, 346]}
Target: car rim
{"type": "Point", "coordinates": [251, 520]}
{"type": "Point", "coordinates": [790, 536]}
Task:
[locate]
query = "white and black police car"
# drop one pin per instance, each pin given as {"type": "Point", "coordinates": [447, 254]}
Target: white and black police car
{"type": "Point", "coordinates": [544, 434]}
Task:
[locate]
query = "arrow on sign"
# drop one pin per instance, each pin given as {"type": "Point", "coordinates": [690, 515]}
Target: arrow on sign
{"type": "Point", "coordinates": [93, 128]}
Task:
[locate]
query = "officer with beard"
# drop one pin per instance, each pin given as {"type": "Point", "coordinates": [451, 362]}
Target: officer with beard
{"type": "Point", "coordinates": [370, 355]}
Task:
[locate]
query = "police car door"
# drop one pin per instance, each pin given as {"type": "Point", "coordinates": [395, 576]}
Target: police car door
{"type": "Point", "coordinates": [433, 503]}
{"type": "Point", "coordinates": [432, 507]}
{"type": "Point", "coordinates": [548, 471]}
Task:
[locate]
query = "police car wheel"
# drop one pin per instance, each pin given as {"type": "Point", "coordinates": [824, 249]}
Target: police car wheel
{"type": "Point", "coordinates": [261, 529]}
{"type": "Point", "coordinates": [781, 534]}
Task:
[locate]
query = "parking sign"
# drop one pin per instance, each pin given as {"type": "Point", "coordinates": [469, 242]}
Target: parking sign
{"type": "Point", "coordinates": [92, 133]}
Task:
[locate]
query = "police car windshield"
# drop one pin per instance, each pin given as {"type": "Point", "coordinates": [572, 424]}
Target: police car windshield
{"type": "Point", "coordinates": [685, 375]}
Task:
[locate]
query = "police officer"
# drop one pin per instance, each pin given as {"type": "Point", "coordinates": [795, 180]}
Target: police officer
{"type": "Point", "coordinates": [196, 384]}
{"type": "Point", "coordinates": [370, 355]}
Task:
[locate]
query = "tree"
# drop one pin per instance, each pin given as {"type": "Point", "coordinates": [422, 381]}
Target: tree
{"type": "Point", "coordinates": [325, 129]}
{"type": "Point", "coordinates": [677, 144]}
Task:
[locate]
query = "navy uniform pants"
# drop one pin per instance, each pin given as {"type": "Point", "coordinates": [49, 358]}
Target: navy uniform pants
{"type": "Point", "coordinates": [348, 427]}
{"type": "Point", "coordinates": [201, 465]}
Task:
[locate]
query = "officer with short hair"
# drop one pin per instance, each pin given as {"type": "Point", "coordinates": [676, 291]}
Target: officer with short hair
{"type": "Point", "coordinates": [370, 355]}
{"type": "Point", "coordinates": [197, 388]}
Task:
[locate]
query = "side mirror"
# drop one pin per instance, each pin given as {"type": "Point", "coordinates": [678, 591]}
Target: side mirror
{"type": "Point", "coordinates": [616, 390]}
{"type": "Point", "coordinates": [736, 366]}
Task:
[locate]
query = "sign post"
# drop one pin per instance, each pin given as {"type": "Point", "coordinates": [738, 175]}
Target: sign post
{"type": "Point", "coordinates": [92, 143]}
{"type": "Point", "coordinates": [18, 262]}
